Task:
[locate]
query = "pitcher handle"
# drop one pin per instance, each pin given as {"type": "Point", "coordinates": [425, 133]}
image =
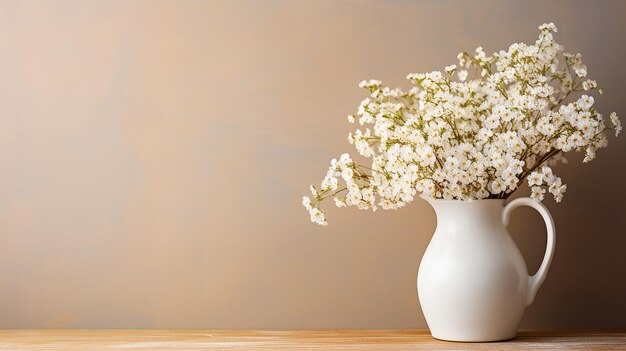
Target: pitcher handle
{"type": "Point", "coordinates": [536, 280]}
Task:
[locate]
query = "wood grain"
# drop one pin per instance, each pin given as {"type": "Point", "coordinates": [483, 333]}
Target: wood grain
{"type": "Point", "coordinates": [388, 340]}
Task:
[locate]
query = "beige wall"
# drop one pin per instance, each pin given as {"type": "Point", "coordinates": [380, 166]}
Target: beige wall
{"type": "Point", "coordinates": [154, 154]}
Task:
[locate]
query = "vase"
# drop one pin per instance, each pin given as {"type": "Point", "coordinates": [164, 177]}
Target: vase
{"type": "Point", "coordinates": [473, 283]}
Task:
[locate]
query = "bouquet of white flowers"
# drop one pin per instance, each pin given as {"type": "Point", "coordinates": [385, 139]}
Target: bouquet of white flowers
{"type": "Point", "coordinates": [475, 131]}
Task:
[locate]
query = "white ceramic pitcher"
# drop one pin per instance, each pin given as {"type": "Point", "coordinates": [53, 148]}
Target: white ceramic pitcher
{"type": "Point", "coordinates": [473, 284]}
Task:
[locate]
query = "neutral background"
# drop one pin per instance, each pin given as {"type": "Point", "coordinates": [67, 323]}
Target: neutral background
{"type": "Point", "coordinates": [154, 154]}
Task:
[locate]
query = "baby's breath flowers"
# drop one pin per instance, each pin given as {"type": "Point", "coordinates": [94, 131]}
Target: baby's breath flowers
{"type": "Point", "coordinates": [478, 130]}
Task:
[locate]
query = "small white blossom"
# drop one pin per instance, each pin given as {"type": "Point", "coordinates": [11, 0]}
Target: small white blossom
{"type": "Point", "coordinates": [590, 154]}
{"type": "Point", "coordinates": [462, 75]}
{"type": "Point", "coordinates": [581, 70]}
{"type": "Point", "coordinates": [462, 60]}
{"type": "Point", "coordinates": [585, 102]}
{"type": "Point", "coordinates": [347, 174]}
{"type": "Point", "coordinates": [329, 183]}
{"type": "Point", "coordinates": [589, 84]}
{"type": "Point", "coordinates": [317, 216]}
{"type": "Point", "coordinates": [535, 178]}
{"type": "Point", "coordinates": [496, 187]}
{"type": "Point", "coordinates": [340, 203]}
{"type": "Point", "coordinates": [537, 193]}
{"type": "Point", "coordinates": [548, 27]}
{"type": "Point", "coordinates": [557, 189]}
{"type": "Point", "coordinates": [306, 202]}
{"type": "Point", "coordinates": [617, 125]}
{"type": "Point", "coordinates": [372, 83]}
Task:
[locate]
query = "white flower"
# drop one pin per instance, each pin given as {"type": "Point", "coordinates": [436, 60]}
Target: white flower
{"type": "Point", "coordinates": [347, 174]}
{"type": "Point", "coordinates": [590, 154]}
{"type": "Point", "coordinates": [589, 84]}
{"type": "Point", "coordinates": [329, 183]}
{"type": "Point", "coordinates": [492, 122]}
{"type": "Point", "coordinates": [339, 202]}
{"type": "Point", "coordinates": [617, 125]}
{"type": "Point", "coordinates": [427, 156]}
{"type": "Point", "coordinates": [558, 191]}
{"type": "Point", "coordinates": [580, 70]}
{"type": "Point", "coordinates": [585, 102]}
{"type": "Point", "coordinates": [537, 193]}
{"type": "Point", "coordinates": [535, 178]}
{"type": "Point", "coordinates": [461, 58]}
{"type": "Point", "coordinates": [317, 216]}
{"type": "Point", "coordinates": [548, 27]}
{"type": "Point", "coordinates": [575, 140]}
{"type": "Point", "coordinates": [462, 75]}
{"type": "Point", "coordinates": [548, 175]}
{"type": "Point", "coordinates": [306, 202]}
{"type": "Point", "coordinates": [345, 159]}
{"type": "Point", "coordinates": [372, 83]}
{"type": "Point", "coordinates": [496, 187]}
{"type": "Point", "coordinates": [470, 138]}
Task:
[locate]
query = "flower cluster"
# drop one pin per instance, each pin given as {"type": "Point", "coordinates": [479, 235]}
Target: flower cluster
{"type": "Point", "coordinates": [477, 130]}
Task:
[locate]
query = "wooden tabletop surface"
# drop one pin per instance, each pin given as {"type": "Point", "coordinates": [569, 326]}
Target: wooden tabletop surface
{"type": "Point", "coordinates": [388, 340]}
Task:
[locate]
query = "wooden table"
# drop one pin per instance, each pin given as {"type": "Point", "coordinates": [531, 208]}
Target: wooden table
{"type": "Point", "coordinates": [388, 340]}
